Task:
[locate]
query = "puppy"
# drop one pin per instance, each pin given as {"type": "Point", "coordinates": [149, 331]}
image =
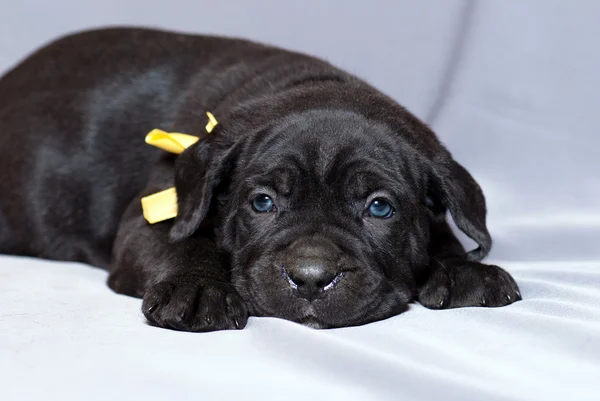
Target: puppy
{"type": "Point", "coordinates": [315, 199]}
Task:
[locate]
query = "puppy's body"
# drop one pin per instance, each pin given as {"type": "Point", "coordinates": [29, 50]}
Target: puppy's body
{"type": "Point", "coordinates": [315, 140]}
{"type": "Point", "coordinates": [77, 112]}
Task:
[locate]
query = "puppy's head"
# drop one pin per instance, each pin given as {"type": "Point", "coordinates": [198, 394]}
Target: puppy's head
{"type": "Point", "coordinates": [326, 214]}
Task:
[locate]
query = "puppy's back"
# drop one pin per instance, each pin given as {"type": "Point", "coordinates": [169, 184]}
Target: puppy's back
{"type": "Point", "coordinates": [73, 116]}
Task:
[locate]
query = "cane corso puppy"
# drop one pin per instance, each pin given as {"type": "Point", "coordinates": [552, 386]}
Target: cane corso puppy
{"type": "Point", "coordinates": [315, 199]}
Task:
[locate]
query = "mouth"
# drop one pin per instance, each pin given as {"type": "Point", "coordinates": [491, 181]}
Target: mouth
{"type": "Point", "coordinates": [312, 322]}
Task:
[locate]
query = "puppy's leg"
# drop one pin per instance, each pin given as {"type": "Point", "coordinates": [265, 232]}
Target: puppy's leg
{"type": "Point", "coordinates": [454, 282]}
{"type": "Point", "coordinates": [185, 286]}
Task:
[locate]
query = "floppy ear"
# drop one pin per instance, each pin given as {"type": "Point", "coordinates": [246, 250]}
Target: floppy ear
{"type": "Point", "coordinates": [458, 191]}
{"type": "Point", "coordinates": [198, 172]}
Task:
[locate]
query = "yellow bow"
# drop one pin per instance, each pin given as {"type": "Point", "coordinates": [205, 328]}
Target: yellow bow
{"type": "Point", "coordinates": [163, 205]}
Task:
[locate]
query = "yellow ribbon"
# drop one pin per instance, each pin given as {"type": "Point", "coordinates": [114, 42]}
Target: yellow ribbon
{"type": "Point", "coordinates": [163, 205]}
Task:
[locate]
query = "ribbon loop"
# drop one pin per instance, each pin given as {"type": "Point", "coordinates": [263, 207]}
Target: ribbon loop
{"type": "Point", "coordinates": [162, 205]}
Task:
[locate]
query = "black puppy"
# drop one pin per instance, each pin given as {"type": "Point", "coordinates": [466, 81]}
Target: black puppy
{"type": "Point", "coordinates": [316, 199]}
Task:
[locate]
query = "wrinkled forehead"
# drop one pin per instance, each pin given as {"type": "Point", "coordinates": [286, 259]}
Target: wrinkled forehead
{"type": "Point", "coordinates": [328, 148]}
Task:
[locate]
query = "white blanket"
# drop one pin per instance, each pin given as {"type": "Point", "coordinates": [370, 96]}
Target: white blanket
{"type": "Point", "coordinates": [512, 88]}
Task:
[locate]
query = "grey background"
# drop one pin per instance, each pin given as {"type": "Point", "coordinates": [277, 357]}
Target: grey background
{"type": "Point", "coordinates": [511, 87]}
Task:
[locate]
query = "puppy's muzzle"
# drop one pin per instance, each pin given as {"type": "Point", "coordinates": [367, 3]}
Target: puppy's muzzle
{"type": "Point", "coordinates": [312, 267]}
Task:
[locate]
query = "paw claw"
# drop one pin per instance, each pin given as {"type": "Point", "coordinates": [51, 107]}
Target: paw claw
{"type": "Point", "coordinates": [175, 324]}
{"type": "Point", "coordinates": [464, 284]}
{"type": "Point", "coordinates": [201, 305]}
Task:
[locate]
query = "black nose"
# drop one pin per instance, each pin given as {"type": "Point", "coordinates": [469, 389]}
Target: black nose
{"type": "Point", "coordinates": [311, 266]}
{"type": "Point", "coordinates": [311, 279]}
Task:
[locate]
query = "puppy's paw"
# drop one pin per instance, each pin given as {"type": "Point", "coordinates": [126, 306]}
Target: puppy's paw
{"type": "Point", "coordinates": [460, 284]}
{"type": "Point", "coordinates": [190, 304]}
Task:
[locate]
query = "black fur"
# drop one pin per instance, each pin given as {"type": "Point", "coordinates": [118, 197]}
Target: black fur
{"type": "Point", "coordinates": [320, 142]}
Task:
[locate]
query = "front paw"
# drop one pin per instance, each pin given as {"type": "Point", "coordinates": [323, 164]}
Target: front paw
{"type": "Point", "coordinates": [457, 284]}
{"type": "Point", "coordinates": [192, 304]}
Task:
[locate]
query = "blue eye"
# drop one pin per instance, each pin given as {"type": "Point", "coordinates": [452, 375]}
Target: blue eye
{"type": "Point", "coordinates": [263, 203]}
{"type": "Point", "coordinates": [381, 208]}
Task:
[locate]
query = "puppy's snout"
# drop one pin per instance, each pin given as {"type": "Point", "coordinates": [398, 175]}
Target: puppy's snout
{"type": "Point", "coordinates": [310, 279]}
{"type": "Point", "coordinates": [311, 268]}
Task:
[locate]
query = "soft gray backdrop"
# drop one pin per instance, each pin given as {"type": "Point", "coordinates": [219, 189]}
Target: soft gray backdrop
{"type": "Point", "coordinates": [512, 88]}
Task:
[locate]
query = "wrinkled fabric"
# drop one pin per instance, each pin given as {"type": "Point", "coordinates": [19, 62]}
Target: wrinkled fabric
{"type": "Point", "coordinates": [510, 87]}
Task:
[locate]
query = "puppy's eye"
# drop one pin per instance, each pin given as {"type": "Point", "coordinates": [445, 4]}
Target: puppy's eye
{"type": "Point", "coordinates": [263, 203]}
{"type": "Point", "coordinates": [380, 208]}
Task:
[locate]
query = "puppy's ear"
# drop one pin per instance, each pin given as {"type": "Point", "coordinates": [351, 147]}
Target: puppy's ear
{"type": "Point", "coordinates": [458, 191]}
{"type": "Point", "coordinates": [198, 172]}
